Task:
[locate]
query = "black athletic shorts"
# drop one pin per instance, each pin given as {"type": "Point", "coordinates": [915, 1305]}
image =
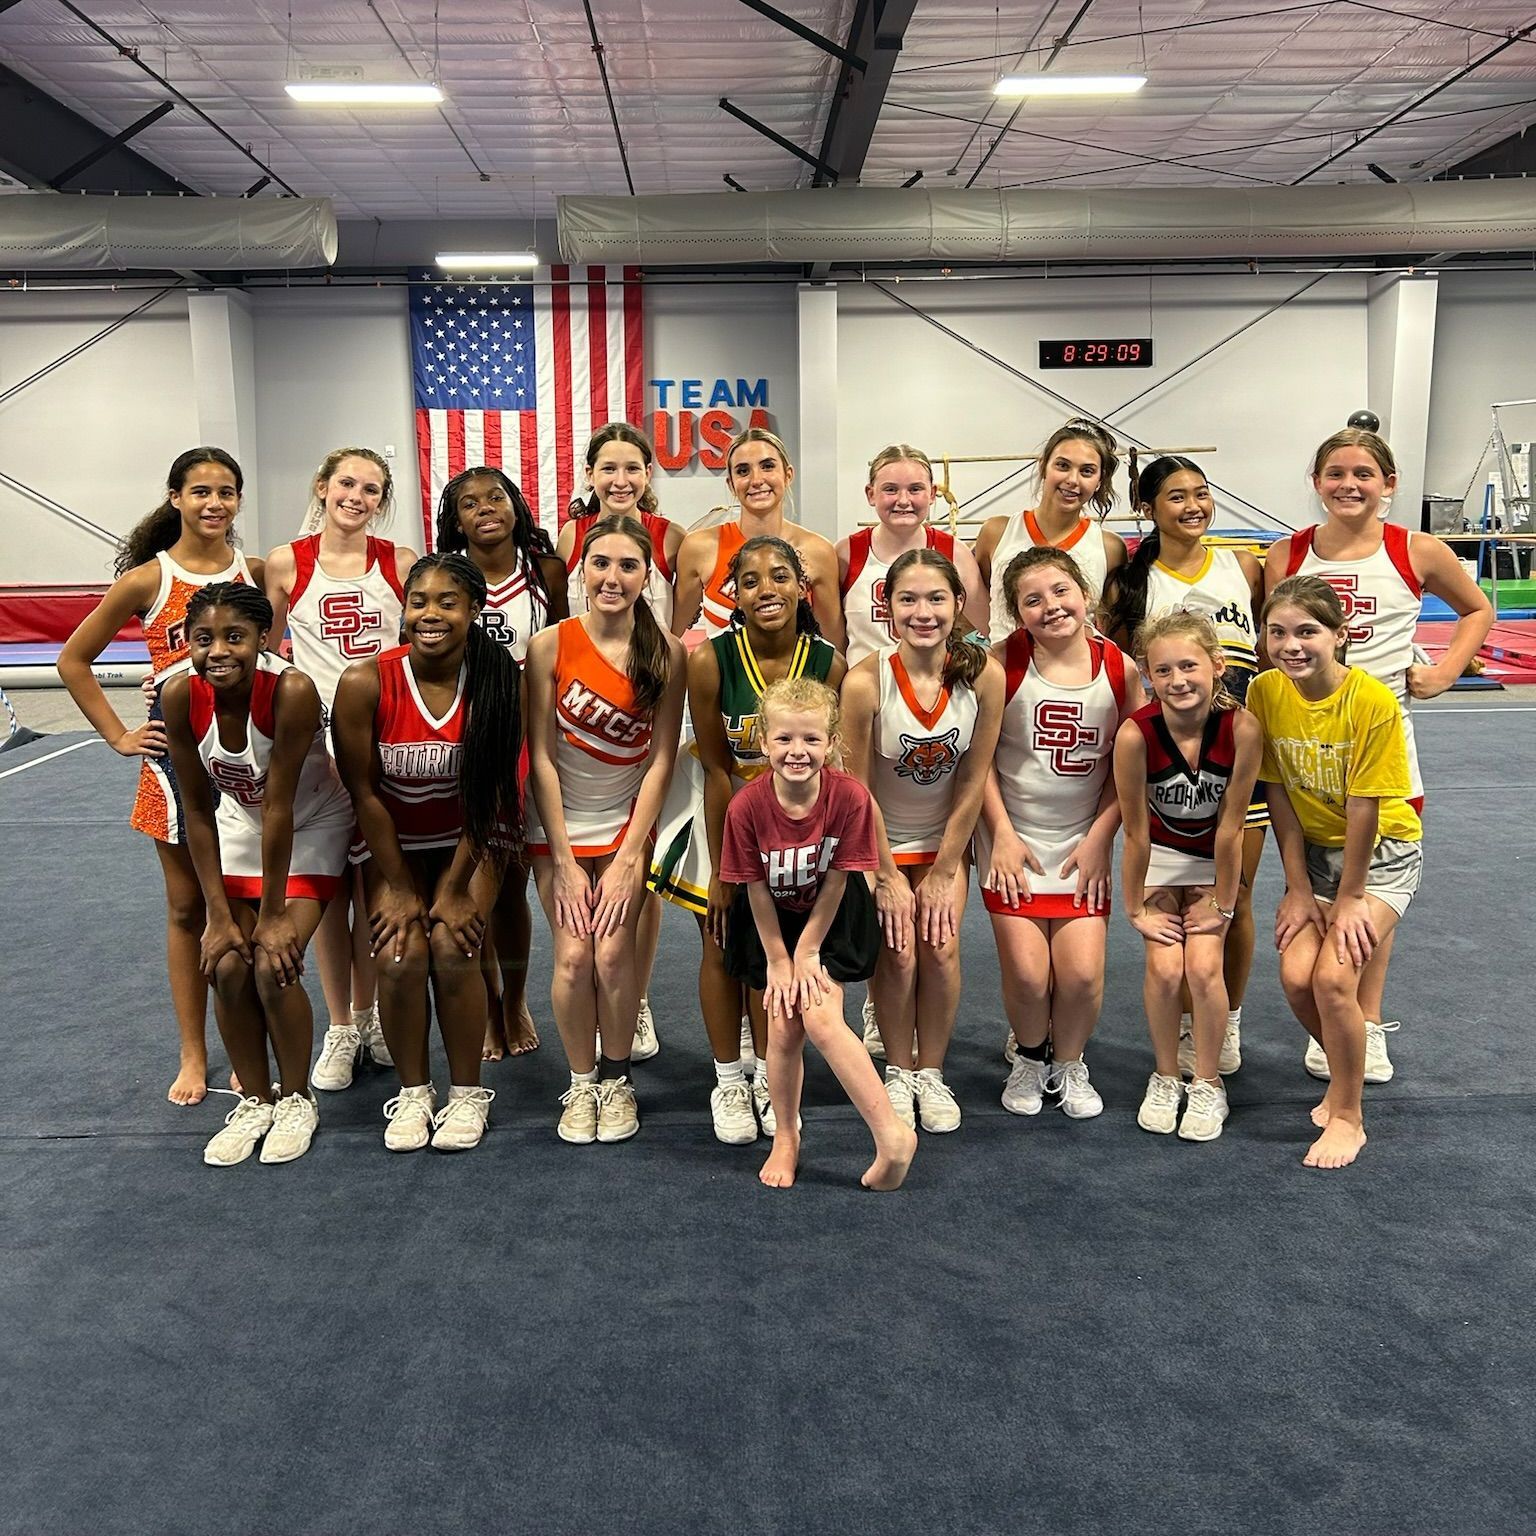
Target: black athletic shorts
{"type": "Point", "coordinates": [849, 951]}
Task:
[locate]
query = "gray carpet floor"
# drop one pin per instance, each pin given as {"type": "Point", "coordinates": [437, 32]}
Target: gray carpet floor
{"type": "Point", "coordinates": [1055, 1326]}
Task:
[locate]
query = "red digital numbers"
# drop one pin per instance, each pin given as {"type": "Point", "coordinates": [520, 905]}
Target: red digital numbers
{"type": "Point", "coordinates": [1069, 353]}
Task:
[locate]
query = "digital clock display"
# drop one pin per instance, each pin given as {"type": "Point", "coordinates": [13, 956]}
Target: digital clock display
{"type": "Point", "coordinates": [1114, 352]}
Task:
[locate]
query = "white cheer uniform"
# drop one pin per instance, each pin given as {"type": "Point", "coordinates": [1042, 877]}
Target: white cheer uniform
{"type": "Point", "coordinates": [1085, 543]}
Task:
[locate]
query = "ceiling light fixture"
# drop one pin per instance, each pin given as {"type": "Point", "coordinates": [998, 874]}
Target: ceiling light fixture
{"type": "Point", "coordinates": [1069, 85]}
{"type": "Point", "coordinates": [353, 93]}
{"type": "Point", "coordinates": [487, 261]}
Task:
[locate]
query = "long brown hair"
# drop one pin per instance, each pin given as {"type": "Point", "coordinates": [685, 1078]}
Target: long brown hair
{"type": "Point", "coordinates": [1316, 599]}
{"type": "Point", "coordinates": [1097, 436]}
{"type": "Point", "coordinates": [161, 528]}
{"type": "Point", "coordinates": [649, 663]}
{"type": "Point", "coordinates": [622, 432]}
{"type": "Point", "coordinates": [963, 662]}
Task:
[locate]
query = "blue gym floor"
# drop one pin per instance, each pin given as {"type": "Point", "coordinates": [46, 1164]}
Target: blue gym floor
{"type": "Point", "coordinates": [1054, 1327]}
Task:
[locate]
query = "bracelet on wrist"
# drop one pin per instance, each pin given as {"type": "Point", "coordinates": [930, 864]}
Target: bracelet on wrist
{"type": "Point", "coordinates": [1229, 916]}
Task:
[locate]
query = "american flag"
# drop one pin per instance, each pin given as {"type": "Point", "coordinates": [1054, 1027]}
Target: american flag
{"type": "Point", "coordinates": [518, 375]}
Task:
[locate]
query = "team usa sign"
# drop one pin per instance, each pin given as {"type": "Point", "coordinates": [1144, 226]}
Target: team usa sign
{"type": "Point", "coordinates": [695, 420]}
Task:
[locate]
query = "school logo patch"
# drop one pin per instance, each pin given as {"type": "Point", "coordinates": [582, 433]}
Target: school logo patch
{"type": "Point", "coordinates": [926, 759]}
{"type": "Point", "coordinates": [1059, 732]}
{"type": "Point", "coordinates": [344, 619]}
{"type": "Point", "coordinates": [1356, 605]}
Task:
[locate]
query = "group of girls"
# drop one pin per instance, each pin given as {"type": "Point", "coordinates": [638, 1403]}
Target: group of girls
{"type": "Point", "coordinates": [853, 743]}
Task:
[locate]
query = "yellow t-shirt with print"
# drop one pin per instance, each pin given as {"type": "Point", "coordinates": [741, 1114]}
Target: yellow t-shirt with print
{"type": "Point", "coordinates": [1351, 743]}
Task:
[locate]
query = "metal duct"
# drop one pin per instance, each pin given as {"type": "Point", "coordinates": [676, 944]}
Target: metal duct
{"type": "Point", "coordinates": [41, 231]}
{"type": "Point", "coordinates": [1141, 224]}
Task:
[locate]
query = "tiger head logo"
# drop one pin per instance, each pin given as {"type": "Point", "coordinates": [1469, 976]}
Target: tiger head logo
{"type": "Point", "coordinates": [926, 759]}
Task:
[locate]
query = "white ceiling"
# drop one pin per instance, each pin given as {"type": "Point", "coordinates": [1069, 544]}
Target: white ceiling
{"type": "Point", "coordinates": [1254, 99]}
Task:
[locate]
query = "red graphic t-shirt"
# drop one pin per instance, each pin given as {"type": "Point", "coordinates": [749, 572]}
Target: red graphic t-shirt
{"type": "Point", "coordinates": [763, 843]}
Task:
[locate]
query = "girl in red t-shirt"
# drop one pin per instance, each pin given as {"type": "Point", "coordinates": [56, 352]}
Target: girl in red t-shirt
{"type": "Point", "coordinates": [800, 925]}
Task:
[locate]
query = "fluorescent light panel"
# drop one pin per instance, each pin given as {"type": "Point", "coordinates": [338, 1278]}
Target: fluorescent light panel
{"type": "Point", "coordinates": [486, 261]}
{"type": "Point", "coordinates": [1069, 85]}
{"type": "Point", "coordinates": [349, 93]}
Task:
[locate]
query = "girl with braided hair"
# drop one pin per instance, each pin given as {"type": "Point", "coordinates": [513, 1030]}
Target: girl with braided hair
{"type": "Point", "coordinates": [339, 588]}
{"type": "Point", "coordinates": [483, 515]}
{"type": "Point", "coordinates": [248, 725]}
{"type": "Point", "coordinates": [186, 542]}
{"type": "Point", "coordinates": [427, 740]}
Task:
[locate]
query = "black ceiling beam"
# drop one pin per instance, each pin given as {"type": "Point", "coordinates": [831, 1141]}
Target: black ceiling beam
{"type": "Point", "coordinates": [819, 166]}
{"type": "Point", "coordinates": [875, 33]}
{"type": "Point", "coordinates": [1418, 101]}
{"type": "Point", "coordinates": [86, 161]}
{"type": "Point", "coordinates": [39, 134]}
{"type": "Point", "coordinates": [800, 29]}
{"type": "Point", "coordinates": [1514, 156]}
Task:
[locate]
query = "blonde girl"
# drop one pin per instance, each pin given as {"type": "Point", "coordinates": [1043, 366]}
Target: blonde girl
{"type": "Point", "coordinates": [1185, 766]}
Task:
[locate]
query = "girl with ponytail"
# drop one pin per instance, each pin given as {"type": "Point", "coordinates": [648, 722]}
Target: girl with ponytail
{"type": "Point", "coordinates": [605, 707]}
{"type": "Point", "coordinates": [1173, 568]}
{"type": "Point", "coordinates": [427, 741]}
{"type": "Point", "coordinates": [920, 724]}
{"type": "Point", "coordinates": [1076, 472]}
{"type": "Point", "coordinates": [620, 472]}
{"type": "Point", "coordinates": [484, 515]}
{"type": "Point", "coordinates": [773, 636]}
{"type": "Point", "coordinates": [339, 588]}
{"type": "Point", "coordinates": [185, 543]}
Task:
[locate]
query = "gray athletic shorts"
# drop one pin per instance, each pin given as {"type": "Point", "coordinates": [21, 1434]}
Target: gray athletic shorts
{"type": "Point", "coordinates": [1394, 874]}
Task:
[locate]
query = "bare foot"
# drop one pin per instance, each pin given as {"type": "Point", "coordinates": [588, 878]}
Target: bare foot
{"type": "Point", "coordinates": [890, 1167]}
{"type": "Point", "coordinates": [234, 1082]}
{"type": "Point", "coordinates": [495, 1044]}
{"type": "Point", "coordinates": [779, 1171]}
{"type": "Point", "coordinates": [1321, 1114]}
{"type": "Point", "coordinates": [191, 1085]}
{"type": "Point", "coordinates": [524, 1035]}
{"type": "Point", "coordinates": [1337, 1147]}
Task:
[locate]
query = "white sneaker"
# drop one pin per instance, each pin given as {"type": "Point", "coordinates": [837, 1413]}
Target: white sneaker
{"type": "Point", "coordinates": [646, 1044]}
{"type": "Point", "coordinates": [1159, 1112]}
{"type": "Point", "coordinates": [338, 1058]}
{"type": "Point", "coordinates": [374, 1047]}
{"type": "Point", "coordinates": [872, 1041]}
{"type": "Point", "coordinates": [460, 1123]}
{"type": "Point", "coordinates": [578, 1117]}
{"type": "Point", "coordinates": [244, 1126]}
{"type": "Point", "coordinates": [730, 1107]}
{"type": "Point", "coordinates": [762, 1102]}
{"type": "Point", "coordinates": [1205, 1111]}
{"type": "Point", "coordinates": [294, 1121]}
{"type": "Point", "coordinates": [618, 1111]}
{"type": "Point", "coordinates": [1378, 1065]}
{"type": "Point", "coordinates": [410, 1118]}
{"type": "Point", "coordinates": [1231, 1057]}
{"type": "Point", "coordinates": [901, 1090]}
{"type": "Point", "coordinates": [1079, 1098]}
{"type": "Point", "coordinates": [936, 1105]}
{"type": "Point", "coordinates": [1024, 1092]}
{"type": "Point", "coordinates": [1010, 1048]}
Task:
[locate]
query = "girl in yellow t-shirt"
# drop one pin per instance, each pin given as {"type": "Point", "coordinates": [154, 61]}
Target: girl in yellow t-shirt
{"type": "Point", "coordinates": [1336, 763]}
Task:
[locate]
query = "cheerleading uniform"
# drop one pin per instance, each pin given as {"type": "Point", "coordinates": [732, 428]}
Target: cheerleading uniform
{"type": "Point", "coordinates": [157, 804]}
{"type": "Point", "coordinates": [1218, 591]}
{"type": "Point", "coordinates": [865, 609]}
{"type": "Point", "coordinates": [515, 610]}
{"type": "Point", "coordinates": [658, 582]}
{"type": "Point", "coordinates": [681, 869]}
{"type": "Point", "coordinates": [1085, 543]}
{"type": "Point", "coordinates": [1382, 599]}
{"type": "Point", "coordinates": [1184, 803]}
{"type": "Point", "coordinates": [1053, 759]}
{"type": "Point", "coordinates": [719, 601]}
{"type": "Point", "coordinates": [419, 755]}
{"type": "Point", "coordinates": [322, 809]}
{"type": "Point", "coordinates": [602, 747]}
{"type": "Point", "coordinates": [916, 752]}
{"type": "Point", "coordinates": [336, 620]}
